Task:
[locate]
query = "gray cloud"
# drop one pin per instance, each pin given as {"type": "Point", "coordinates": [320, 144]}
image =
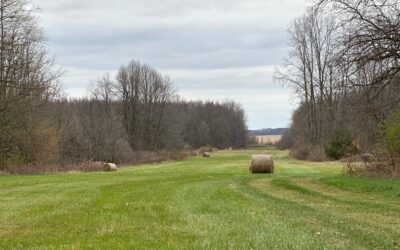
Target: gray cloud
{"type": "Point", "coordinates": [212, 49]}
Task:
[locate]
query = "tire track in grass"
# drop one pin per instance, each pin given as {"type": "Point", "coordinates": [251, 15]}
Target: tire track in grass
{"type": "Point", "coordinates": [382, 217]}
{"type": "Point", "coordinates": [346, 216]}
{"type": "Point", "coordinates": [308, 220]}
{"type": "Point", "coordinates": [302, 185]}
{"type": "Point", "coordinates": [250, 225]}
{"type": "Point", "coordinates": [338, 194]}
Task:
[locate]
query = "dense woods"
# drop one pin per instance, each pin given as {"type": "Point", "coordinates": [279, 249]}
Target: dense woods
{"type": "Point", "coordinates": [93, 129]}
{"type": "Point", "coordinates": [344, 65]}
{"type": "Point", "coordinates": [121, 120]}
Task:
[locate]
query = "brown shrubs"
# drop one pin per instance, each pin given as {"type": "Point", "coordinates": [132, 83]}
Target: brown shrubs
{"type": "Point", "coordinates": [309, 152]}
{"type": "Point", "coordinates": [92, 167]}
{"type": "Point", "coordinates": [370, 165]}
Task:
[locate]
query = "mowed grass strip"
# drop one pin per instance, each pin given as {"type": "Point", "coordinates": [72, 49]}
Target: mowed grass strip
{"type": "Point", "coordinates": [202, 203]}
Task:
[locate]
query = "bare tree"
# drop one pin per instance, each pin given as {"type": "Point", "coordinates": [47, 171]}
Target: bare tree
{"type": "Point", "coordinates": [371, 40]}
{"type": "Point", "coordinates": [27, 78]}
{"type": "Point", "coordinates": [369, 54]}
{"type": "Point", "coordinates": [107, 120]}
{"type": "Point", "coordinates": [345, 66]}
{"type": "Point", "coordinates": [144, 94]}
{"type": "Point", "coordinates": [309, 68]}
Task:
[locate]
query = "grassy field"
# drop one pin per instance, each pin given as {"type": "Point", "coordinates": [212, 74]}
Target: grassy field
{"type": "Point", "coordinates": [268, 139]}
{"type": "Point", "coordinates": [201, 203]}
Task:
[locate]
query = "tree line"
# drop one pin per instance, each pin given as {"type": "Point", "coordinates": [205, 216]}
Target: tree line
{"type": "Point", "coordinates": [136, 111]}
{"type": "Point", "coordinates": [344, 65]}
{"type": "Point", "coordinates": [117, 124]}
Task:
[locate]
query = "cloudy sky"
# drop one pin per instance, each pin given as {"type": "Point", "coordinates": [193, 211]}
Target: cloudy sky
{"type": "Point", "coordinates": [211, 49]}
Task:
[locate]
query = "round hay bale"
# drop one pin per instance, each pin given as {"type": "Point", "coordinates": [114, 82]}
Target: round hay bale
{"type": "Point", "coordinates": [206, 155]}
{"type": "Point", "coordinates": [110, 167]}
{"type": "Point", "coordinates": [262, 164]}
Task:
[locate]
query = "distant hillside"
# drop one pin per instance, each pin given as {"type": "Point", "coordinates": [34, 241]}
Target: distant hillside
{"type": "Point", "coordinates": [268, 131]}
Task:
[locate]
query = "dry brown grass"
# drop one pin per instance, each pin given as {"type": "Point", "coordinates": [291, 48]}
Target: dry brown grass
{"type": "Point", "coordinates": [268, 139]}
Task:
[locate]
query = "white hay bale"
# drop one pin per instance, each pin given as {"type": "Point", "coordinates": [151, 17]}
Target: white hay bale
{"type": "Point", "coordinates": [109, 167]}
{"type": "Point", "coordinates": [262, 164]}
{"type": "Point", "coordinates": [206, 155]}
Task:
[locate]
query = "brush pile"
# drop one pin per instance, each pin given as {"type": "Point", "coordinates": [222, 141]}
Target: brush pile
{"type": "Point", "coordinates": [97, 166]}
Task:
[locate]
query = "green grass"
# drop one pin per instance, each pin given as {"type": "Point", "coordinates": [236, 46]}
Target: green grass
{"type": "Point", "coordinates": [202, 204]}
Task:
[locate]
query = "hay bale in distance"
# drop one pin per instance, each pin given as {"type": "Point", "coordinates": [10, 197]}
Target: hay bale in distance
{"type": "Point", "coordinates": [204, 150]}
{"type": "Point", "coordinates": [262, 164]}
{"type": "Point", "coordinates": [206, 155]}
{"type": "Point", "coordinates": [110, 167]}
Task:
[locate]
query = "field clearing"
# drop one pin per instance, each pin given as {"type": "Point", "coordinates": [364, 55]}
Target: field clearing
{"type": "Point", "coordinates": [268, 139]}
{"type": "Point", "coordinates": [202, 203]}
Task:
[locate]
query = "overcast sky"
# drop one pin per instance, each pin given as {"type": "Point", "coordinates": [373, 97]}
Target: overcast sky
{"type": "Point", "coordinates": [211, 49]}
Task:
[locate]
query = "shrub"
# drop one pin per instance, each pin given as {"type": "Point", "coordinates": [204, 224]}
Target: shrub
{"type": "Point", "coordinates": [179, 155]}
{"type": "Point", "coordinates": [392, 138]}
{"type": "Point", "coordinates": [317, 153]}
{"type": "Point", "coordinates": [286, 142]}
{"type": "Point", "coordinates": [251, 140]}
{"type": "Point", "coordinates": [31, 169]}
{"type": "Point", "coordinates": [341, 144]}
{"type": "Point", "coordinates": [301, 151]}
{"type": "Point", "coordinates": [378, 166]}
{"type": "Point", "coordinates": [91, 167]}
{"type": "Point", "coordinates": [309, 152]}
{"type": "Point", "coordinates": [385, 161]}
{"type": "Point", "coordinates": [392, 142]}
